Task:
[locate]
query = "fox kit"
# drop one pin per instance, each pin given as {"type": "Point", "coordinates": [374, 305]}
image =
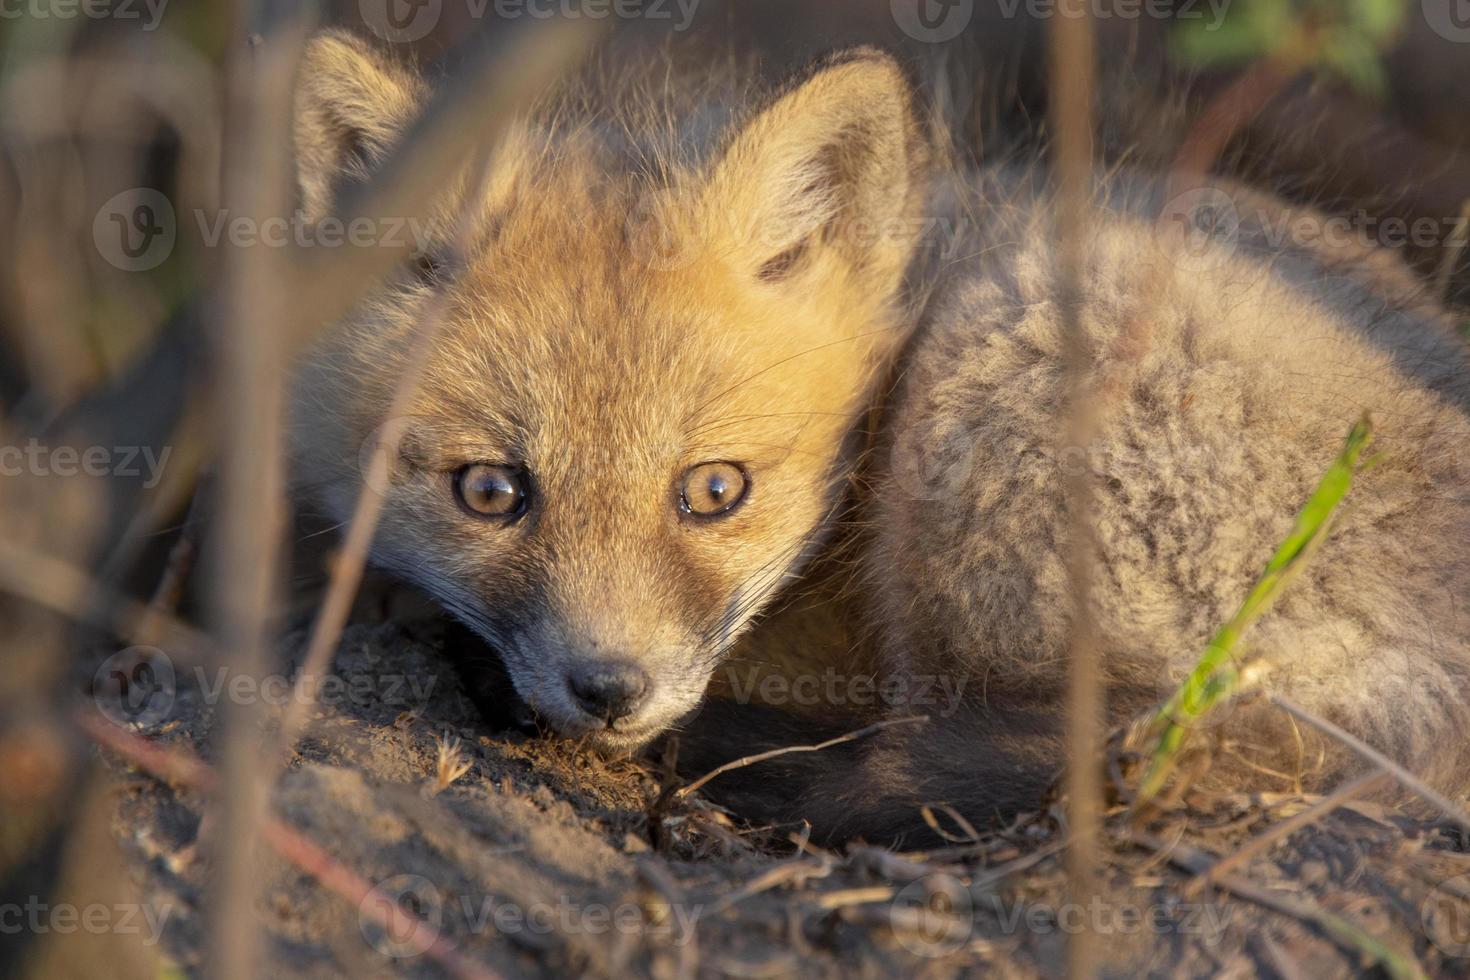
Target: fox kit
{"type": "Point", "coordinates": [649, 408]}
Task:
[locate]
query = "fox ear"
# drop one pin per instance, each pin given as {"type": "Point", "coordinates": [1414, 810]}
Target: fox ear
{"type": "Point", "coordinates": [834, 165]}
{"type": "Point", "coordinates": [351, 103]}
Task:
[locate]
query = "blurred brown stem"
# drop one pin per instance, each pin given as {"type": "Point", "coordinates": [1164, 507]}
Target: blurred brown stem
{"type": "Point", "coordinates": [251, 407]}
{"type": "Point", "coordinates": [1072, 65]}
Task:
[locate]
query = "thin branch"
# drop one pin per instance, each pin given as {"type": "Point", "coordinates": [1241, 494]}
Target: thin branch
{"type": "Point", "coordinates": [1396, 964]}
{"type": "Point", "coordinates": [181, 557]}
{"type": "Point", "coordinates": [522, 74]}
{"type": "Point", "coordinates": [1261, 843]}
{"type": "Point", "coordinates": [797, 871]}
{"type": "Point", "coordinates": [1072, 71]}
{"type": "Point", "coordinates": [250, 345]}
{"type": "Point", "coordinates": [971, 835]}
{"type": "Point", "coordinates": [63, 588]}
{"type": "Point", "coordinates": [504, 71]}
{"type": "Point", "coordinates": [846, 897]}
{"type": "Point", "coordinates": [379, 906]}
{"type": "Point", "coordinates": [751, 760]}
{"type": "Point", "coordinates": [181, 768]}
{"type": "Point", "coordinates": [347, 570]}
{"type": "Point", "coordinates": [997, 874]}
{"type": "Point", "coordinates": [1408, 779]}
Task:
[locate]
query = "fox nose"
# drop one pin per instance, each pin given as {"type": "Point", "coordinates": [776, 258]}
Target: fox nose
{"type": "Point", "coordinates": [608, 690]}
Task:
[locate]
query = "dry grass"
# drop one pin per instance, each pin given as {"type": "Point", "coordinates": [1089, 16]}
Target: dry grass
{"type": "Point", "coordinates": [451, 763]}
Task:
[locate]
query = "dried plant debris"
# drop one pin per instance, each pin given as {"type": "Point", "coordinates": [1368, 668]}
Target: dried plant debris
{"type": "Point", "coordinates": [451, 764]}
{"type": "Point", "coordinates": [529, 857]}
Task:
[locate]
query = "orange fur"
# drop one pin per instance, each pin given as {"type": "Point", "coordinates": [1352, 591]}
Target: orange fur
{"type": "Point", "coordinates": [617, 324]}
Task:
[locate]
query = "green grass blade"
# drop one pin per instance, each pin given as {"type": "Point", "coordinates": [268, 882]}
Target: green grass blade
{"type": "Point", "coordinates": [1215, 676]}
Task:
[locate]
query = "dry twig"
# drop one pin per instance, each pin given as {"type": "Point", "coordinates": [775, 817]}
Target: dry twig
{"type": "Point", "coordinates": [541, 58]}
{"type": "Point", "coordinates": [63, 588]}
{"type": "Point", "coordinates": [1408, 779]}
{"type": "Point", "coordinates": [1344, 933]}
{"type": "Point", "coordinates": [1072, 69]}
{"type": "Point", "coordinates": [750, 760]}
{"type": "Point", "coordinates": [252, 406]}
{"type": "Point", "coordinates": [1261, 843]}
{"type": "Point", "coordinates": [182, 769]}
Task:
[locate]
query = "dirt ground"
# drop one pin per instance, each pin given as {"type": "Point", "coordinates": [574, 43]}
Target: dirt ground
{"type": "Point", "coordinates": [539, 860]}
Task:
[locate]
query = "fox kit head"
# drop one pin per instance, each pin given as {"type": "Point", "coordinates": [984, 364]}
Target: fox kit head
{"type": "Point", "coordinates": [634, 423]}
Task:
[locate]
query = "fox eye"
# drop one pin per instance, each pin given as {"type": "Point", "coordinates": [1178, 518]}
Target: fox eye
{"type": "Point", "coordinates": [487, 490]}
{"type": "Point", "coordinates": [712, 489]}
